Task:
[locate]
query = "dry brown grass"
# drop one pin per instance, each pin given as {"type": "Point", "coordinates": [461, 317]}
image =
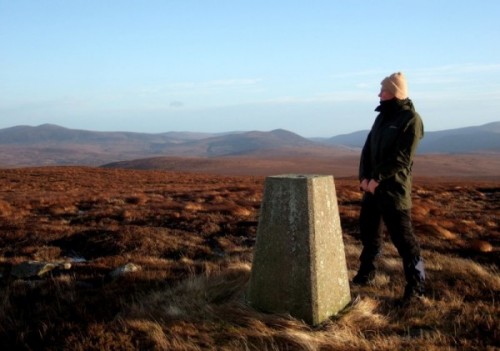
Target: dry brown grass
{"type": "Point", "coordinates": [192, 237]}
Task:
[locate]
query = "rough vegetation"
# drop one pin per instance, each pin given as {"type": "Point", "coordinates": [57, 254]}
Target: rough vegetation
{"type": "Point", "coordinates": [185, 244]}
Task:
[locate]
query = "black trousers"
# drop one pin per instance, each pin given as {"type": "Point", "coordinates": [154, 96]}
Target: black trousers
{"type": "Point", "coordinates": [398, 224]}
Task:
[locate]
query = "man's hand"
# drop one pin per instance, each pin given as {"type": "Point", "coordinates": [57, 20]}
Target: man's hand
{"type": "Point", "coordinates": [364, 185]}
{"type": "Point", "coordinates": [372, 185]}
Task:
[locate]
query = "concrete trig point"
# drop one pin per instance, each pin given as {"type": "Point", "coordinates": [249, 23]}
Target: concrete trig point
{"type": "Point", "coordinates": [299, 265]}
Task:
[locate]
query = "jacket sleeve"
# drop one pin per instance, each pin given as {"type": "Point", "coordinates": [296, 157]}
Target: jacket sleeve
{"type": "Point", "coordinates": [365, 170]}
{"type": "Point", "coordinates": [404, 150]}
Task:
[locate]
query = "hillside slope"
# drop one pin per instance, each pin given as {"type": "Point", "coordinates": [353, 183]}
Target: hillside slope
{"type": "Point", "coordinates": [54, 145]}
{"type": "Point", "coordinates": [48, 144]}
{"type": "Point", "coordinates": [484, 138]}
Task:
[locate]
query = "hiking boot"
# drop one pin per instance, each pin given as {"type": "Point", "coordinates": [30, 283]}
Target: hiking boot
{"type": "Point", "coordinates": [364, 278]}
{"type": "Point", "coordinates": [412, 296]}
{"type": "Point", "coordinates": [412, 290]}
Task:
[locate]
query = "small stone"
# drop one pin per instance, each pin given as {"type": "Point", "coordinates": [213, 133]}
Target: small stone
{"type": "Point", "coordinates": [32, 269]}
{"type": "Point", "coordinates": [127, 268]}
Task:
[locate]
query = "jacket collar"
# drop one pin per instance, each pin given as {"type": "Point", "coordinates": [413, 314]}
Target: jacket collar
{"type": "Point", "coordinates": [394, 105]}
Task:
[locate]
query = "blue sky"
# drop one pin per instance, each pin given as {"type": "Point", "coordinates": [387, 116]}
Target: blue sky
{"type": "Point", "coordinates": [311, 67]}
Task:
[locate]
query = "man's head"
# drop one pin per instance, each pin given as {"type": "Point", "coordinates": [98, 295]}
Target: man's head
{"type": "Point", "coordinates": [393, 86]}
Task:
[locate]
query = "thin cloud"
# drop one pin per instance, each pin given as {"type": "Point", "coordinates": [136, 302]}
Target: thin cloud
{"type": "Point", "coordinates": [176, 104]}
{"type": "Point", "coordinates": [197, 87]}
{"type": "Point", "coordinates": [446, 74]}
{"type": "Point", "coordinates": [460, 69]}
{"type": "Point", "coordinates": [341, 96]}
{"type": "Point", "coordinates": [454, 74]}
{"type": "Point", "coordinates": [220, 83]}
{"type": "Point", "coordinates": [366, 73]}
{"type": "Point", "coordinates": [438, 70]}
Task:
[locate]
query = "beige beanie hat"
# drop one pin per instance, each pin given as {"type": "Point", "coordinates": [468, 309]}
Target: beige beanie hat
{"type": "Point", "coordinates": [396, 85]}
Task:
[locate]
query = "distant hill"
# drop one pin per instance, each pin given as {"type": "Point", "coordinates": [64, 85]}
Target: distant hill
{"type": "Point", "coordinates": [50, 144]}
{"type": "Point", "coordinates": [354, 140]}
{"type": "Point", "coordinates": [50, 134]}
{"type": "Point", "coordinates": [245, 143]}
{"type": "Point", "coordinates": [461, 140]}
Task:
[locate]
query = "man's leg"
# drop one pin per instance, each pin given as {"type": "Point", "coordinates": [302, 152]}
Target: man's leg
{"type": "Point", "coordinates": [398, 223]}
{"type": "Point", "coordinates": [370, 222]}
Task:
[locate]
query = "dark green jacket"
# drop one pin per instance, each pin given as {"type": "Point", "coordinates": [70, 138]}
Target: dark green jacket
{"type": "Point", "coordinates": [388, 152]}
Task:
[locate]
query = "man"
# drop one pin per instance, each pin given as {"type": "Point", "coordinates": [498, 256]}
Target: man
{"type": "Point", "coordinates": [385, 177]}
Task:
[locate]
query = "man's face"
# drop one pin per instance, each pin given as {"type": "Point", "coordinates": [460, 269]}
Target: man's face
{"type": "Point", "coordinates": [385, 95]}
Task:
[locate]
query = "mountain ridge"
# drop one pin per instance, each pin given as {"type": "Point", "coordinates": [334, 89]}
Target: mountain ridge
{"type": "Point", "coordinates": [482, 138]}
{"type": "Point", "coordinates": [50, 144]}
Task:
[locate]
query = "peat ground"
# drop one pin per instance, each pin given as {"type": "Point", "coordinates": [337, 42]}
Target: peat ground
{"type": "Point", "coordinates": [189, 238]}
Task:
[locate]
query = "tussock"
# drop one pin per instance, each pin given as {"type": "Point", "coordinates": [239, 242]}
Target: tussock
{"type": "Point", "coordinates": [480, 245]}
{"type": "Point", "coordinates": [437, 231]}
{"type": "Point", "coordinates": [468, 272]}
